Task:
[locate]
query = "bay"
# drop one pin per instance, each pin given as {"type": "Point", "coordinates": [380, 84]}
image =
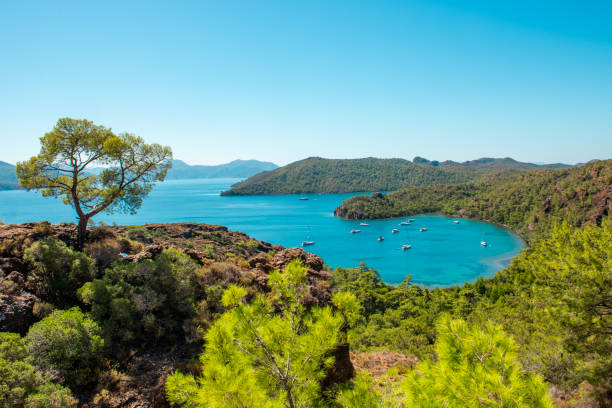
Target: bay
{"type": "Point", "coordinates": [445, 254]}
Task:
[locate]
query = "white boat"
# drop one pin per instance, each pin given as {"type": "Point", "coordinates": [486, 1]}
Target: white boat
{"type": "Point", "coordinates": [423, 229]}
{"type": "Point", "coordinates": [303, 198]}
{"type": "Point", "coordinates": [395, 230]}
{"type": "Point", "coordinates": [381, 238]}
{"type": "Point", "coordinates": [483, 243]}
{"type": "Point", "coordinates": [456, 222]}
{"type": "Point", "coordinates": [307, 243]}
{"type": "Point", "coordinates": [405, 247]}
{"type": "Point", "coordinates": [411, 220]}
{"type": "Point", "coordinates": [355, 231]}
{"type": "Point", "coordinates": [363, 224]}
{"type": "Point", "coordinates": [404, 223]}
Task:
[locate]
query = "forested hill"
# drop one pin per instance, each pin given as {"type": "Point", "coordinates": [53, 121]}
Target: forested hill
{"type": "Point", "coordinates": [8, 179]}
{"type": "Point", "coordinates": [318, 175]}
{"type": "Point", "coordinates": [528, 202]}
{"type": "Point", "coordinates": [236, 168]}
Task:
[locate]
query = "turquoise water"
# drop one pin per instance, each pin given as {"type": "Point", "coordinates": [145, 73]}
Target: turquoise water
{"type": "Point", "coordinates": [446, 254]}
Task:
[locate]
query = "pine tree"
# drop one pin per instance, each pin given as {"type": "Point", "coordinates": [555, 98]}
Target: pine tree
{"type": "Point", "coordinates": [273, 352]}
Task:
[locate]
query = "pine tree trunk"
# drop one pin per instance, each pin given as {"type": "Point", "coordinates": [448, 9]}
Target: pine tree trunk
{"type": "Point", "coordinates": [82, 232]}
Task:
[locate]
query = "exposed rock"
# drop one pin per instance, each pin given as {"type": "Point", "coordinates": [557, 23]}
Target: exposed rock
{"type": "Point", "coordinates": [149, 252]}
{"type": "Point", "coordinates": [16, 312]}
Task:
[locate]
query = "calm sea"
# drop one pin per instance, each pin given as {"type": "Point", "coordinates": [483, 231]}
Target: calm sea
{"type": "Point", "coordinates": [445, 254]}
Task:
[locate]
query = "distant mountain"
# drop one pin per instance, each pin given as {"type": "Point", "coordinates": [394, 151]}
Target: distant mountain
{"type": "Point", "coordinates": [180, 170]}
{"type": "Point", "coordinates": [318, 175]}
{"type": "Point", "coordinates": [8, 179]}
{"type": "Point", "coordinates": [237, 168]}
{"type": "Point", "coordinates": [505, 163]}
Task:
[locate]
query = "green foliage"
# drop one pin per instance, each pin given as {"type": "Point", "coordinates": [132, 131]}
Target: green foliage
{"type": "Point", "coordinates": [21, 384]}
{"type": "Point", "coordinates": [361, 394]}
{"type": "Point", "coordinates": [273, 352]}
{"type": "Point", "coordinates": [474, 367]}
{"type": "Point", "coordinates": [560, 296]}
{"type": "Point", "coordinates": [69, 342]}
{"type": "Point", "coordinates": [58, 270]}
{"type": "Point", "coordinates": [147, 301]}
{"type": "Point", "coordinates": [61, 169]}
{"type": "Point", "coordinates": [531, 203]}
{"type": "Point", "coordinates": [554, 299]}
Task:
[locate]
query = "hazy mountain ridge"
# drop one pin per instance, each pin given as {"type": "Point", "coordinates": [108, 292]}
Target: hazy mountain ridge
{"type": "Point", "coordinates": [236, 168]}
{"type": "Point", "coordinates": [180, 170]}
{"type": "Point", "coordinates": [8, 179]}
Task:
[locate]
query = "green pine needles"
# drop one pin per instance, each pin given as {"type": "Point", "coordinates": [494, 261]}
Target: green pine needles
{"type": "Point", "coordinates": [272, 352]}
{"type": "Point", "coordinates": [476, 367]}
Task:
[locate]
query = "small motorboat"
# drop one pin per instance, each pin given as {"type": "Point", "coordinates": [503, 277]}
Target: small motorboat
{"type": "Point", "coordinates": [405, 247]}
{"type": "Point", "coordinates": [411, 220]}
{"type": "Point", "coordinates": [404, 223]}
{"type": "Point", "coordinates": [363, 224]}
{"type": "Point", "coordinates": [422, 229]}
{"type": "Point", "coordinates": [483, 243]}
{"type": "Point", "coordinates": [381, 238]}
{"type": "Point", "coordinates": [307, 243]}
{"type": "Point", "coordinates": [395, 230]}
{"type": "Point", "coordinates": [456, 222]}
{"type": "Point", "coordinates": [355, 231]}
{"type": "Point", "coordinates": [303, 198]}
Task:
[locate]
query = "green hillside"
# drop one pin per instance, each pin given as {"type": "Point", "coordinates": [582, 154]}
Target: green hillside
{"type": "Point", "coordinates": [318, 175]}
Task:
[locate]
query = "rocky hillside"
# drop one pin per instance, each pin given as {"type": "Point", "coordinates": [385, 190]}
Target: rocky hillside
{"type": "Point", "coordinates": [194, 262]}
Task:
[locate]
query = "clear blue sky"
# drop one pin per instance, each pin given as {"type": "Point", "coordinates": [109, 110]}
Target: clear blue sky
{"type": "Point", "coordinates": [281, 81]}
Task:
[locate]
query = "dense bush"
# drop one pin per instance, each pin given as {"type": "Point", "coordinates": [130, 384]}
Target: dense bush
{"type": "Point", "coordinates": [148, 301]}
{"type": "Point", "coordinates": [22, 384]}
{"type": "Point", "coordinates": [58, 271]}
{"type": "Point", "coordinates": [105, 252]}
{"type": "Point", "coordinates": [68, 342]}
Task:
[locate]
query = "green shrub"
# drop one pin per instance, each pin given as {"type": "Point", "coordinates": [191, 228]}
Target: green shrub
{"type": "Point", "coordinates": [148, 301]}
{"type": "Point", "coordinates": [69, 342]}
{"type": "Point", "coordinates": [58, 270]}
{"type": "Point", "coordinates": [105, 252]}
{"type": "Point", "coordinates": [475, 367]}
{"type": "Point", "coordinates": [21, 384]}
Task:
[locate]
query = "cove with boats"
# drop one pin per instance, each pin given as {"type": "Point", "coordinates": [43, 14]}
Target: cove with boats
{"type": "Point", "coordinates": [434, 250]}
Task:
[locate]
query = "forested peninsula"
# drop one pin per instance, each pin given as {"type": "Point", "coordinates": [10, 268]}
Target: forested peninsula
{"type": "Point", "coordinates": [530, 203]}
{"type": "Point", "coordinates": [318, 175]}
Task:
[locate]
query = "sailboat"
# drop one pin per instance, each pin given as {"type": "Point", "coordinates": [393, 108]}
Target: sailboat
{"type": "Point", "coordinates": [308, 241]}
